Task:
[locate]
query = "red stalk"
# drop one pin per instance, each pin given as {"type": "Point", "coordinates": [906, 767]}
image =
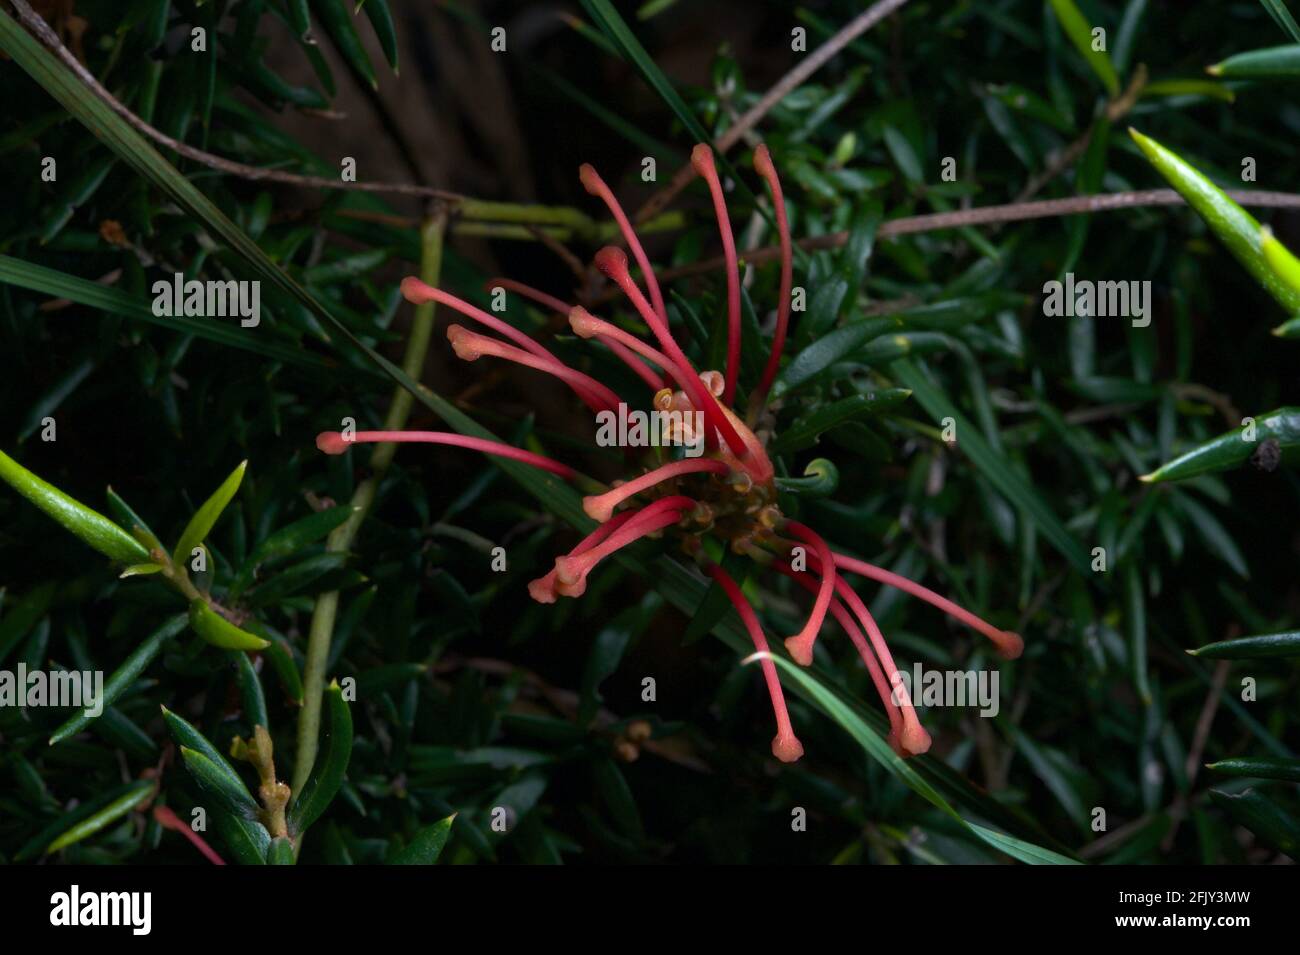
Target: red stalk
{"type": "Point", "coordinates": [913, 738]}
{"type": "Point", "coordinates": [1009, 645]}
{"type": "Point", "coordinates": [417, 293]}
{"type": "Point", "coordinates": [600, 507]}
{"type": "Point", "coordinates": [555, 305]}
{"type": "Point", "coordinates": [571, 572]}
{"type": "Point", "coordinates": [845, 620]}
{"type": "Point", "coordinates": [470, 346]}
{"type": "Point", "coordinates": [702, 160]}
{"type": "Point", "coordinates": [169, 820]}
{"type": "Point", "coordinates": [586, 325]}
{"type": "Point", "coordinates": [800, 645]}
{"type": "Point", "coordinates": [613, 262]}
{"type": "Point", "coordinates": [785, 745]}
{"type": "Point", "coordinates": [543, 588]}
{"type": "Point", "coordinates": [594, 185]}
{"type": "Point", "coordinates": [333, 442]}
{"type": "Point", "coordinates": [763, 165]}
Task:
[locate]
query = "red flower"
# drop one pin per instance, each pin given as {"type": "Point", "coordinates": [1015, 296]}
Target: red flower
{"type": "Point", "coordinates": [728, 493]}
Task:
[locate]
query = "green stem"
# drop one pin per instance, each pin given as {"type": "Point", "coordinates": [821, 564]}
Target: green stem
{"type": "Point", "coordinates": [399, 409]}
{"type": "Point", "coordinates": [531, 214]}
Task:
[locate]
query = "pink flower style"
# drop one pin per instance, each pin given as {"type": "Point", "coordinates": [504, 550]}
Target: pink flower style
{"type": "Point", "coordinates": [729, 491]}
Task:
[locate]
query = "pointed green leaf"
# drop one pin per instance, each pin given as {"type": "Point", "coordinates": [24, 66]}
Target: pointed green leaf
{"type": "Point", "coordinates": [290, 539]}
{"type": "Point", "coordinates": [250, 691]}
{"type": "Point", "coordinates": [246, 839]}
{"type": "Point", "coordinates": [1080, 33]}
{"type": "Point", "coordinates": [1275, 61]}
{"type": "Point", "coordinates": [805, 432]}
{"type": "Point", "coordinates": [1282, 17]}
{"type": "Point", "coordinates": [231, 797]}
{"type": "Point", "coordinates": [140, 570]}
{"type": "Point", "coordinates": [1236, 228]}
{"type": "Point", "coordinates": [1231, 450]}
{"type": "Point", "coordinates": [1263, 767]}
{"type": "Point", "coordinates": [196, 531]}
{"type": "Point", "coordinates": [185, 734]}
{"type": "Point", "coordinates": [219, 631]}
{"type": "Point", "coordinates": [1258, 647]}
{"type": "Point", "coordinates": [91, 526]}
{"type": "Point", "coordinates": [133, 795]}
{"type": "Point", "coordinates": [327, 775]}
{"type": "Point", "coordinates": [1262, 816]}
{"type": "Point", "coordinates": [427, 845]}
{"type": "Point", "coordinates": [124, 675]}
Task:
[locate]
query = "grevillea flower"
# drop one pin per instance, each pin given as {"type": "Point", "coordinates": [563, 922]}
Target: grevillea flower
{"type": "Point", "coordinates": [728, 493]}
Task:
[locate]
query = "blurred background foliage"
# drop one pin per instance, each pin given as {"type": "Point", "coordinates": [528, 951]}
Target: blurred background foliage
{"type": "Point", "coordinates": [470, 696]}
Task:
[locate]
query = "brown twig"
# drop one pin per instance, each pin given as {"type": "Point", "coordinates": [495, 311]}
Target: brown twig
{"type": "Point", "coordinates": [46, 35]}
{"type": "Point", "coordinates": [792, 80]}
{"type": "Point", "coordinates": [987, 215]}
{"type": "Point", "coordinates": [1178, 811]}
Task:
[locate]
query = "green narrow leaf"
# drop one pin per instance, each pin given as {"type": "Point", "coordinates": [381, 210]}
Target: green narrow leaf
{"type": "Point", "coordinates": [288, 540]}
{"type": "Point", "coordinates": [427, 845]}
{"type": "Point", "coordinates": [381, 21]}
{"type": "Point", "coordinates": [1276, 61]}
{"type": "Point", "coordinates": [1232, 449]}
{"type": "Point", "coordinates": [280, 852]}
{"type": "Point", "coordinates": [124, 675]}
{"type": "Point", "coordinates": [1258, 647]}
{"type": "Point", "coordinates": [196, 531]}
{"type": "Point", "coordinates": [215, 782]}
{"type": "Point", "coordinates": [1236, 228]}
{"type": "Point", "coordinates": [124, 515]}
{"type": "Point", "coordinates": [1135, 619]}
{"type": "Point", "coordinates": [993, 465]}
{"type": "Point", "coordinates": [327, 775]}
{"type": "Point", "coordinates": [140, 570]}
{"type": "Point", "coordinates": [1080, 33]}
{"type": "Point", "coordinates": [1282, 17]}
{"type": "Point", "coordinates": [335, 16]}
{"type": "Point", "coordinates": [133, 795]}
{"type": "Point", "coordinates": [219, 631]}
{"type": "Point", "coordinates": [1287, 268]}
{"type": "Point", "coordinates": [1263, 817]}
{"type": "Point", "coordinates": [616, 28]}
{"type": "Point", "coordinates": [282, 662]}
{"type": "Point", "coordinates": [91, 526]}
{"type": "Point", "coordinates": [250, 691]}
{"type": "Point", "coordinates": [38, 278]}
{"type": "Point", "coordinates": [247, 839]}
{"type": "Point", "coordinates": [876, 747]}
{"type": "Point", "coordinates": [828, 349]}
{"type": "Point", "coordinates": [805, 431]}
{"type": "Point", "coordinates": [1263, 767]}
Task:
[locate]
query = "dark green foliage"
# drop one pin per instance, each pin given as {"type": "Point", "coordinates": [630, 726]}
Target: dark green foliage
{"type": "Point", "coordinates": [471, 724]}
